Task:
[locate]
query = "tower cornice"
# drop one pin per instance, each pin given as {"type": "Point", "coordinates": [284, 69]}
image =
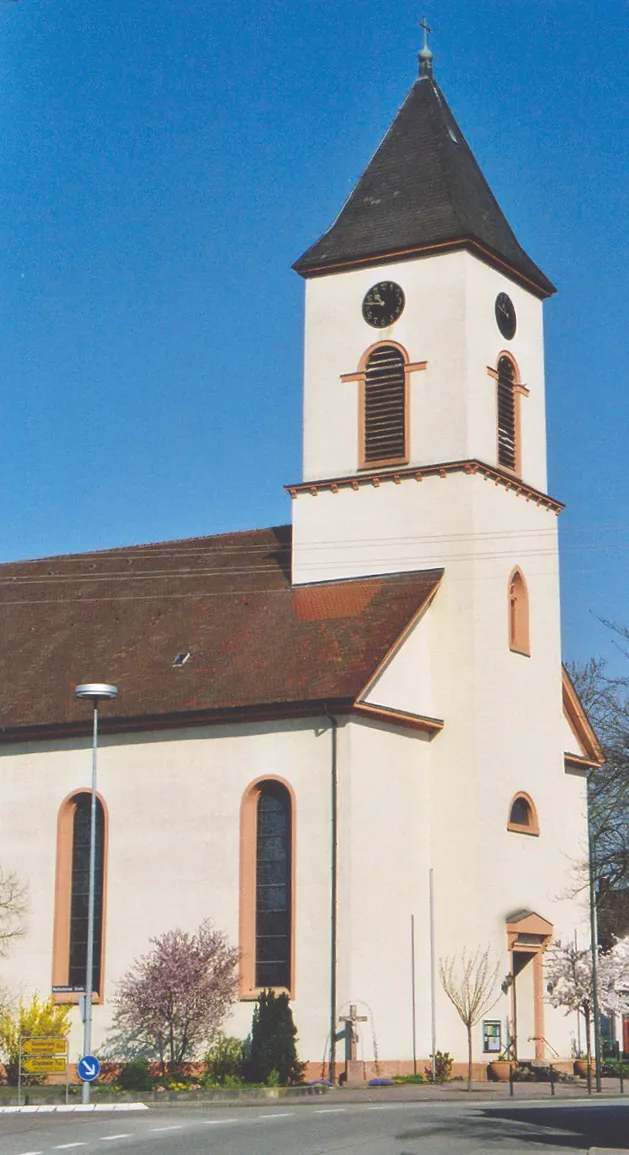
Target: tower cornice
{"type": "Point", "coordinates": [472, 467]}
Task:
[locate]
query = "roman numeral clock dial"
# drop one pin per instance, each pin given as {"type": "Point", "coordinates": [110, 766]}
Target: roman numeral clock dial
{"type": "Point", "coordinates": [383, 305]}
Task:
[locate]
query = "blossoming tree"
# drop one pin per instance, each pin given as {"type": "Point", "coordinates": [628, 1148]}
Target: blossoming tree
{"type": "Point", "coordinates": [175, 997]}
{"type": "Point", "coordinates": [569, 980]}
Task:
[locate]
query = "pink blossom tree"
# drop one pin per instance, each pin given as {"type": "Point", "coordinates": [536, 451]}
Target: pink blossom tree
{"type": "Point", "coordinates": [175, 997]}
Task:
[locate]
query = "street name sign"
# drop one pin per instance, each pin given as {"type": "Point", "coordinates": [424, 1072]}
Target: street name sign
{"type": "Point", "coordinates": [88, 1068]}
{"type": "Point", "coordinates": [44, 1046]}
{"type": "Point", "coordinates": [44, 1066]}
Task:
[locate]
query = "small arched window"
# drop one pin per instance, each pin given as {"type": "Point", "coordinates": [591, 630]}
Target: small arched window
{"type": "Point", "coordinates": [384, 414]}
{"type": "Point", "coordinates": [519, 636]}
{"type": "Point", "coordinates": [508, 448]}
{"type": "Point", "coordinates": [523, 815]}
{"type": "Point", "coordinates": [72, 895]}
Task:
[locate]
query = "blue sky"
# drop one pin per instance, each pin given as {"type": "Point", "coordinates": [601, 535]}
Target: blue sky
{"type": "Point", "coordinates": [163, 164]}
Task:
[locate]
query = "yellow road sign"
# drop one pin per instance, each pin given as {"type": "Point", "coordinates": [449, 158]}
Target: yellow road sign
{"type": "Point", "coordinates": [44, 1046]}
{"type": "Point", "coordinates": [40, 1066]}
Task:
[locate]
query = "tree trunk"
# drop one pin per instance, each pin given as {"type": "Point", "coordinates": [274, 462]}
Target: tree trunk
{"type": "Point", "coordinates": [588, 1044]}
{"type": "Point", "coordinates": [469, 1056]}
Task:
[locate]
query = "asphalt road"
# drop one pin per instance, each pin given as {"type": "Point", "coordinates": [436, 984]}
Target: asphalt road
{"type": "Point", "coordinates": [309, 1129]}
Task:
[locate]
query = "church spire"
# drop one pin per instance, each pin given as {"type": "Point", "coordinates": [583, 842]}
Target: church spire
{"type": "Point", "coordinates": [425, 55]}
{"type": "Point", "coordinates": [422, 191]}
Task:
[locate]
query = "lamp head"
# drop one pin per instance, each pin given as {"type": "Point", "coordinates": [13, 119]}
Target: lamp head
{"type": "Point", "coordinates": [96, 691]}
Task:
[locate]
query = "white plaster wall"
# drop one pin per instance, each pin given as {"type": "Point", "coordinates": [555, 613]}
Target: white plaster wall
{"type": "Point", "coordinates": [449, 322]}
{"type": "Point", "coordinates": [484, 343]}
{"type": "Point", "coordinates": [174, 840]}
{"type": "Point", "coordinates": [571, 742]}
{"type": "Point", "coordinates": [504, 725]}
{"type": "Point", "coordinates": [405, 682]}
{"type": "Point", "coordinates": [384, 854]}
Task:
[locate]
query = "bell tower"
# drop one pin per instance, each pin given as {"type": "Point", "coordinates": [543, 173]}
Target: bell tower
{"type": "Point", "coordinates": [423, 356]}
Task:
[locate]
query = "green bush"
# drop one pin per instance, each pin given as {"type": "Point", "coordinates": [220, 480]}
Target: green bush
{"type": "Point", "coordinates": [135, 1076]}
{"type": "Point", "coordinates": [443, 1067]}
{"type": "Point", "coordinates": [273, 1053]}
{"type": "Point", "coordinates": [225, 1060]}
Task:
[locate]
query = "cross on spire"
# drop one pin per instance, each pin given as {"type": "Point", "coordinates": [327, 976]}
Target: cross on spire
{"type": "Point", "coordinates": [425, 55]}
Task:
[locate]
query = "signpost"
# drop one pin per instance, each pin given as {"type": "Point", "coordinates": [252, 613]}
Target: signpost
{"type": "Point", "coordinates": [88, 1068]}
{"type": "Point", "coordinates": [39, 1066]}
{"type": "Point", "coordinates": [44, 1047]}
{"type": "Point", "coordinates": [42, 1055]}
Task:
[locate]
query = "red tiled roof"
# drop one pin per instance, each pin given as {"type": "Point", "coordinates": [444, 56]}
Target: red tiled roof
{"type": "Point", "coordinates": [255, 641]}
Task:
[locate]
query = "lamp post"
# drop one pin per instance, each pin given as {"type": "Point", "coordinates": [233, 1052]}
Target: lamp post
{"type": "Point", "coordinates": [94, 692]}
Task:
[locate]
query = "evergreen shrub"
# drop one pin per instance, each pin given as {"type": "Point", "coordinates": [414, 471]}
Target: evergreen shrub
{"type": "Point", "coordinates": [273, 1051]}
{"type": "Point", "coordinates": [135, 1076]}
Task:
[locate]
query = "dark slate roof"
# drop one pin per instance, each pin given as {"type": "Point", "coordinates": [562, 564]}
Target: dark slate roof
{"type": "Point", "coordinates": [423, 188]}
{"type": "Point", "coordinates": [255, 641]}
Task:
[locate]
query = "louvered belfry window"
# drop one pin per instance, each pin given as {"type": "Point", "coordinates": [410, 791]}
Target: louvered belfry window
{"type": "Point", "coordinates": [385, 404]}
{"type": "Point", "coordinates": [507, 448]}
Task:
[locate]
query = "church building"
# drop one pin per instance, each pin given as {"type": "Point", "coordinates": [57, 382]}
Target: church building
{"type": "Point", "coordinates": [349, 742]}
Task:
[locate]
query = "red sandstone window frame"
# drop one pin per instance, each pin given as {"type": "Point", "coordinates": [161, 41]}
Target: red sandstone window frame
{"type": "Point", "coordinates": [518, 610]}
{"type": "Point", "coordinates": [248, 991]}
{"type": "Point", "coordinates": [361, 376]}
{"type": "Point", "coordinates": [532, 826]}
{"type": "Point", "coordinates": [63, 899]}
{"type": "Point", "coordinates": [519, 390]}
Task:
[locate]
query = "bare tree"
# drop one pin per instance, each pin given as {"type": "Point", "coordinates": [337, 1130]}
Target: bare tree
{"type": "Point", "coordinates": [470, 985]}
{"type": "Point", "coordinates": [606, 701]}
{"type": "Point", "coordinates": [13, 908]}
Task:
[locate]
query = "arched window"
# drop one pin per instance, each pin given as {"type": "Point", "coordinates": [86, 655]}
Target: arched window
{"type": "Point", "coordinates": [72, 894]}
{"type": "Point", "coordinates": [384, 415]}
{"type": "Point", "coordinates": [273, 886]}
{"type": "Point", "coordinates": [523, 815]}
{"type": "Point", "coordinates": [80, 891]}
{"type": "Point", "coordinates": [519, 640]}
{"type": "Point", "coordinates": [507, 415]}
{"type": "Point", "coordinates": [266, 901]}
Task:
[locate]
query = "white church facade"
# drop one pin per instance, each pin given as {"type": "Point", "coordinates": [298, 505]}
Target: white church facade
{"type": "Point", "coordinates": [368, 705]}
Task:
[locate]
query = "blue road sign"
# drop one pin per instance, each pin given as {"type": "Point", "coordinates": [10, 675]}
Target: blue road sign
{"type": "Point", "coordinates": [88, 1068]}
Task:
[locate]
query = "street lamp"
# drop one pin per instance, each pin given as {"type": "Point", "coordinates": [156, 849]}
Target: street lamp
{"type": "Point", "coordinates": [94, 692]}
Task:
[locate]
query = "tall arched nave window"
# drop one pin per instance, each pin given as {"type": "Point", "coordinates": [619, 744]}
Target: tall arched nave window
{"type": "Point", "coordinates": [72, 891]}
{"type": "Point", "coordinates": [266, 887]}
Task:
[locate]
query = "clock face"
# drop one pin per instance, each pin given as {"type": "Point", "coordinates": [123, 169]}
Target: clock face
{"type": "Point", "coordinates": [505, 316]}
{"type": "Point", "coordinates": [383, 304]}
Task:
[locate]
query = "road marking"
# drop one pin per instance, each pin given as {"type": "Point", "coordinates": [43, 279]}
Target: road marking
{"type": "Point", "coordinates": [277, 1115]}
{"type": "Point", "coordinates": [329, 1110]}
{"type": "Point", "coordinates": [110, 1138]}
{"type": "Point", "coordinates": [31, 1153]}
{"type": "Point", "coordinates": [174, 1127]}
{"type": "Point", "coordinates": [66, 1146]}
{"type": "Point", "coordinates": [213, 1122]}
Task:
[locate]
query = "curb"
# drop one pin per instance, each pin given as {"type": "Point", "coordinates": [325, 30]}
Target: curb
{"type": "Point", "coordinates": [47, 1108]}
{"type": "Point", "coordinates": [608, 1151]}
